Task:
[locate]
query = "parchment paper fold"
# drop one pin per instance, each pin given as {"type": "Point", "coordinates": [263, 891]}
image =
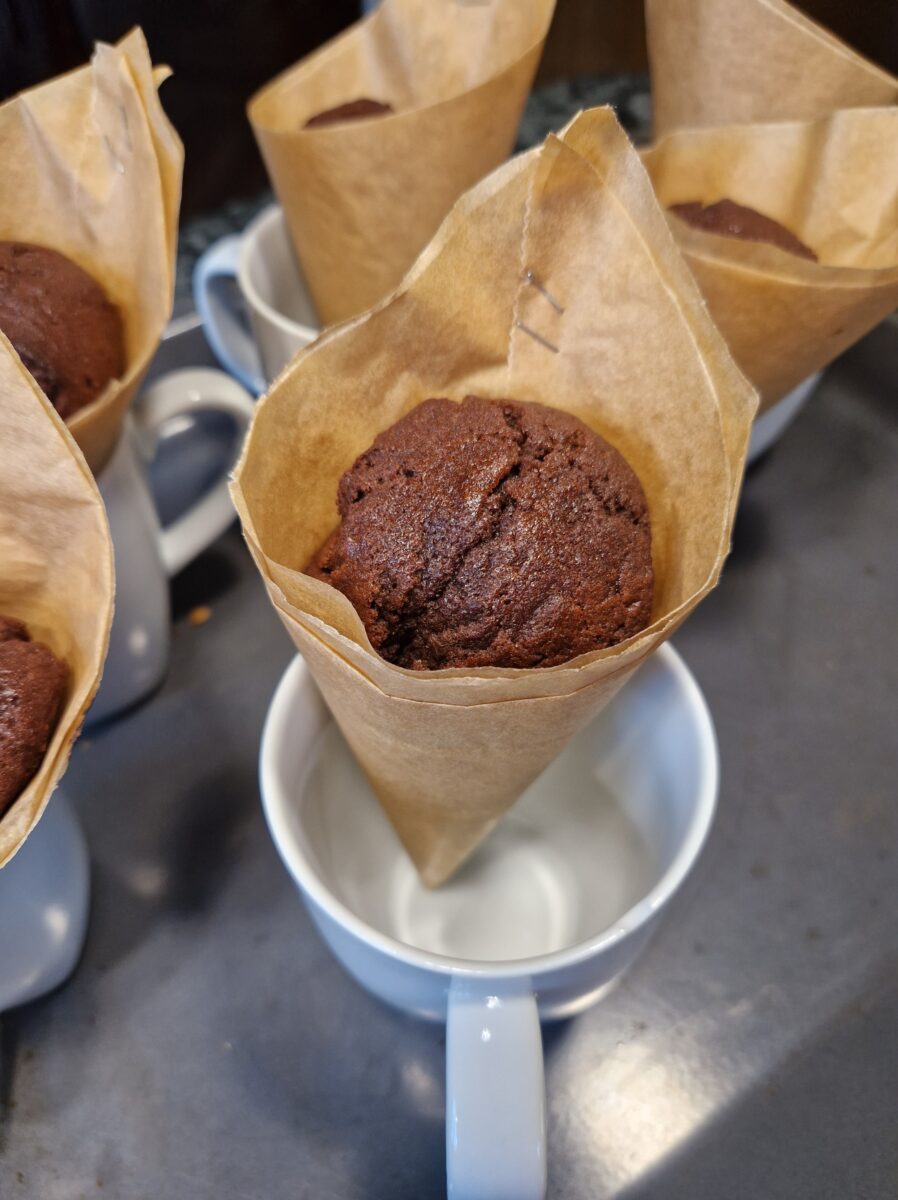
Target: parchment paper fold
{"type": "Point", "coordinates": [834, 183]}
{"type": "Point", "coordinates": [722, 62]}
{"type": "Point", "coordinates": [363, 199]}
{"type": "Point", "coordinates": [56, 569]}
{"type": "Point", "coordinates": [633, 354]}
{"type": "Point", "coordinates": [92, 168]}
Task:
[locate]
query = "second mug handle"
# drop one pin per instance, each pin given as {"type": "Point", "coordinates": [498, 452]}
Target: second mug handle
{"type": "Point", "coordinates": [182, 393]}
{"type": "Point", "coordinates": [226, 328]}
{"type": "Point", "coordinates": [495, 1093]}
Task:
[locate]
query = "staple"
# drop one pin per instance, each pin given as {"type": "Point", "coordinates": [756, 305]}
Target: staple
{"type": "Point", "coordinates": [537, 337]}
{"type": "Point", "coordinates": [531, 278]}
{"type": "Point", "coordinates": [117, 163]}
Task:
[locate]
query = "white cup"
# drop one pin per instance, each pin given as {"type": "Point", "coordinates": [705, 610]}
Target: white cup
{"type": "Point", "coordinates": [44, 899]}
{"type": "Point", "coordinates": [554, 906]}
{"type": "Point", "coordinates": [281, 315]}
{"type": "Point", "coordinates": [146, 555]}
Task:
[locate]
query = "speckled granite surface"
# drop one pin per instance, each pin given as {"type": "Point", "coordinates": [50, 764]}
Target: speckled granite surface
{"type": "Point", "coordinates": [548, 108]}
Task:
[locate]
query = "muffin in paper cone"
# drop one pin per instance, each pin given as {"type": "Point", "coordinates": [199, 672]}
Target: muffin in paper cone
{"type": "Point", "coordinates": [723, 62]}
{"type": "Point", "coordinates": [92, 168]}
{"type": "Point", "coordinates": [833, 183]}
{"type": "Point", "coordinates": [55, 567]}
{"type": "Point", "coordinates": [363, 199]}
{"type": "Point", "coordinates": [633, 354]}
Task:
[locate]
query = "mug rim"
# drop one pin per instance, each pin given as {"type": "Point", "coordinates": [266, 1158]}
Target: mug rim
{"type": "Point", "coordinates": [314, 889]}
{"type": "Point", "coordinates": [269, 215]}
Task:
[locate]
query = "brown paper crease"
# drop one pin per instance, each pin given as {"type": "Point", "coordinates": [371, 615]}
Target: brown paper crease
{"type": "Point", "coordinates": [55, 566]}
{"type": "Point", "coordinates": [638, 359]}
{"type": "Point", "coordinates": [363, 199]}
{"type": "Point", "coordinates": [92, 168]}
{"type": "Point", "coordinates": [834, 183]}
{"type": "Point", "coordinates": [725, 62]}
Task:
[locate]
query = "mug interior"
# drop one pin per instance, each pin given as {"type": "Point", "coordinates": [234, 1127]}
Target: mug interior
{"type": "Point", "coordinates": [271, 278]}
{"type": "Point", "coordinates": [591, 848]}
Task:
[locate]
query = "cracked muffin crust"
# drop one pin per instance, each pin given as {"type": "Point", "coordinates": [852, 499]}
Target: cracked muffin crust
{"type": "Point", "coordinates": [64, 328]}
{"type": "Point", "coordinates": [491, 533]}
{"type": "Point", "coordinates": [32, 686]}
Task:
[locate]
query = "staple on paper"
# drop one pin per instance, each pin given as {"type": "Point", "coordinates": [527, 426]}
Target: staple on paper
{"type": "Point", "coordinates": [530, 278]}
{"type": "Point", "coordinates": [537, 337]}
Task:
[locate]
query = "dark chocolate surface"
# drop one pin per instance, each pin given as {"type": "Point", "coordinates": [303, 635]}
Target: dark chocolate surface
{"type": "Point", "coordinates": [730, 219]}
{"type": "Point", "coordinates": [352, 110]}
{"type": "Point", "coordinates": [66, 331]}
{"type": "Point", "coordinates": [491, 533]}
{"type": "Point", "coordinates": [32, 685]}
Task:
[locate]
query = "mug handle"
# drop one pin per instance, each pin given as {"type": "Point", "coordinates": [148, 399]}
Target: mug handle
{"type": "Point", "coordinates": [177, 394]}
{"type": "Point", "coordinates": [495, 1094]}
{"type": "Point", "coordinates": [225, 325]}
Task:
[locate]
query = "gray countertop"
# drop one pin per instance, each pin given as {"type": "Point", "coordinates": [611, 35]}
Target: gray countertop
{"type": "Point", "coordinates": [208, 1045]}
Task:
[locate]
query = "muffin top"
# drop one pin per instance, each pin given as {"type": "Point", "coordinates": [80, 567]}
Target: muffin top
{"type": "Point", "coordinates": [351, 110]}
{"type": "Point", "coordinates": [491, 533]}
{"type": "Point", "coordinates": [64, 329]}
{"type": "Point", "coordinates": [730, 219]}
{"type": "Point", "coordinates": [32, 685]}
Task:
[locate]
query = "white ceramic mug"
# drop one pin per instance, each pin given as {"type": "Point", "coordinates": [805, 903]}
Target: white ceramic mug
{"type": "Point", "coordinates": [554, 906]}
{"type": "Point", "coordinates": [146, 555]}
{"type": "Point", "coordinates": [281, 315]}
{"type": "Point", "coordinates": [44, 899]}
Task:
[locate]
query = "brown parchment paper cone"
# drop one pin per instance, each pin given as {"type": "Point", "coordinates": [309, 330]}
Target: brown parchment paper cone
{"type": "Point", "coordinates": [55, 566]}
{"type": "Point", "coordinates": [834, 183]}
{"type": "Point", "coordinates": [723, 62]}
{"type": "Point", "coordinates": [363, 199]}
{"type": "Point", "coordinates": [92, 168]}
{"type": "Point", "coordinates": [638, 359]}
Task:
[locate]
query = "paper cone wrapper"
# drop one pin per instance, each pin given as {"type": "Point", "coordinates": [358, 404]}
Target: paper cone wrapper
{"type": "Point", "coordinates": [635, 356]}
{"type": "Point", "coordinates": [723, 62]}
{"type": "Point", "coordinates": [56, 572]}
{"type": "Point", "coordinates": [363, 199]}
{"type": "Point", "coordinates": [92, 168]}
{"type": "Point", "coordinates": [834, 183]}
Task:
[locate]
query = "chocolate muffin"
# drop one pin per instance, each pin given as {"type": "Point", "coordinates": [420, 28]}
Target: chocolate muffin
{"type": "Point", "coordinates": [730, 219]}
{"type": "Point", "coordinates": [32, 685]}
{"type": "Point", "coordinates": [65, 330]}
{"type": "Point", "coordinates": [491, 533]}
{"type": "Point", "coordinates": [352, 110]}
